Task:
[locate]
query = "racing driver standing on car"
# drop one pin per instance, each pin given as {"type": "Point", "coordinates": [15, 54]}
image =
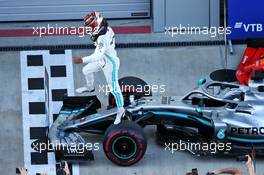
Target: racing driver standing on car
{"type": "Point", "coordinates": [103, 58]}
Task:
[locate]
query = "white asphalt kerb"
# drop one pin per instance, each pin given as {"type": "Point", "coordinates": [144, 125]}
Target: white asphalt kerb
{"type": "Point", "coordinates": [43, 95]}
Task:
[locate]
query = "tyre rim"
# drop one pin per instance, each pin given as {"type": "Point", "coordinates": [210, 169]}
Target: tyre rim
{"type": "Point", "coordinates": [124, 147]}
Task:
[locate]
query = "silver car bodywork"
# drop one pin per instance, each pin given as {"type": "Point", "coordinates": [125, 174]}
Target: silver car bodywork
{"type": "Point", "coordinates": [224, 111]}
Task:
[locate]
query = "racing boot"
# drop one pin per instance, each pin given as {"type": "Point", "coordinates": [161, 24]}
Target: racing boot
{"type": "Point", "coordinates": [119, 115]}
{"type": "Point", "coordinates": [85, 89]}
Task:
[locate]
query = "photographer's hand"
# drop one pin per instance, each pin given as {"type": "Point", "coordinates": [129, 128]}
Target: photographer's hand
{"type": "Point", "coordinates": [66, 169]}
{"type": "Point", "coordinates": [233, 171]}
{"type": "Point", "coordinates": [249, 165]}
{"type": "Point", "coordinates": [23, 171]}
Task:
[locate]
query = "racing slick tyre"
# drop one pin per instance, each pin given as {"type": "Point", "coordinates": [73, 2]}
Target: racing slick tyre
{"type": "Point", "coordinates": [125, 144]}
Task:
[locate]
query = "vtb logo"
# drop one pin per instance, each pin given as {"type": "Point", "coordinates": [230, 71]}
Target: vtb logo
{"type": "Point", "coordinates": [249, 27]}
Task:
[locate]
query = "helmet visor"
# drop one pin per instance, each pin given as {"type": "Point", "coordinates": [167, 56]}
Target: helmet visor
{"type": "Point", "coordinates": [89, 21]}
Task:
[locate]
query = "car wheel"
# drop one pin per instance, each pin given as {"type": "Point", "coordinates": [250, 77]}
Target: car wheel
{"type": "Point", "coordinates": [125, 144]}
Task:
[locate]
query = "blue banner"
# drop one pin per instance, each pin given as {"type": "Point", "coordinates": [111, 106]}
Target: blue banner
{"type": "Point", "coordinates": [246, 19]}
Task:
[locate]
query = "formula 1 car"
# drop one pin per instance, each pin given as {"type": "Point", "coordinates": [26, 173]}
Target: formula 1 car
{"type": "Point", "coordinates": [214, 112]}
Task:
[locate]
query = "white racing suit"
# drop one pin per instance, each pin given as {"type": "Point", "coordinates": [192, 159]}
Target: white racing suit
{"type": "Point", "coordinates": [105, 58]}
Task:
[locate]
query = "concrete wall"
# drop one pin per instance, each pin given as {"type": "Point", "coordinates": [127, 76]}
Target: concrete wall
{"type": "Point", "coordinates": [11, 135]}
{"type": "Point", "coordinates": [171, 13]}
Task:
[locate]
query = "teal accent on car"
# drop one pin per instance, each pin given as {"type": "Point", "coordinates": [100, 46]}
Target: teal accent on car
{"type": "Point", "coordinates": [201, 81]}
{"type": "Point", "coordinates": [199, 110]}
{"type": "Point", "coordinates": [65, 112]}
{"type": "Point", "coordinates": [184, 116]}
{"type": "Point", "coordinates": [221, 134]}
{"type": "Point", "coordinates": [246, 140]}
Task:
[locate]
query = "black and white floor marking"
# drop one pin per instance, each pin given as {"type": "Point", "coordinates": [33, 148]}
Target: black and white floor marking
{"type": "Point", "coordinates": [46, 76]}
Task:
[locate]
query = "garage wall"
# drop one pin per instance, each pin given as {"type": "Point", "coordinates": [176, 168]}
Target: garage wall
{"type": "Point", "coordinates": [26, 10]}
{"type": "Point", "coordinates": [187, 12]}
{"type": "Point", "coordinates": [169, 13]}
